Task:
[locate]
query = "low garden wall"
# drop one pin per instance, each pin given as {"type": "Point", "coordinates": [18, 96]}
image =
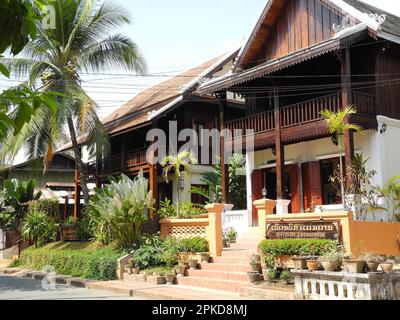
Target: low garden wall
{"type": "Point", "coordinates": [209, 228]}
{"type": "Point", "coordinates": [357, 236]}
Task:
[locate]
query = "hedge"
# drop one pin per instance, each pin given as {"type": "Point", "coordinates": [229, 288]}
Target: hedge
{"type": "Point", "coordinates": [293, 247]}
{"type": "Point", "coordinates": [96, 264]}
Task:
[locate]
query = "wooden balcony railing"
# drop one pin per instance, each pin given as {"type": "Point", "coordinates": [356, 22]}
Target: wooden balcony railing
{"type": "Point", "coordinates": [302, 113]}
{"type": "Point", "coordinates": [114, 164]}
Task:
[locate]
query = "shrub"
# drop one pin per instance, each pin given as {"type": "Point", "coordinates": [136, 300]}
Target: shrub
{"type": "Point", "coordinates": [187, 210]}
{"type": "Point", "coordinates": [96, 264]}
{"type": "Point", "coordinates": [38, 227]}
{"type": "Point", "coordinates": [49, 206]}
{"type": "Point", "coordinates": [272, 275]}
{"type": "Point", "coordinates": [193, 245]}
{"type": "Point", "coordinates": [287, 276]}
{"type": "Point", "coordinates": [296, 247]}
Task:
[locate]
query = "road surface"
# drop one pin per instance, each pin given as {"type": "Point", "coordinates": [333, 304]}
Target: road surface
{"type": "Point", "coordinates": [15, 288]}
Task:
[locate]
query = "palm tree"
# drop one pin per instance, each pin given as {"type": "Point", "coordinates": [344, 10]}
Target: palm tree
{"type": "Point", "coordinates": [180, 165]}
{"type": "Point", "coordinates": [84, 40]}
{"type": "Point", "coordinates": [337, 126]}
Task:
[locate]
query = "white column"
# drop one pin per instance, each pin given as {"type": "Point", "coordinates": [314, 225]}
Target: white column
{"type": "Point", "coordinates": [249, 191]}
{"type": "Point", "coordinates": [282, 206]}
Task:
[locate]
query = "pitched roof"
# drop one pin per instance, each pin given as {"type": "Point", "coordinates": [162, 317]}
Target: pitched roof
{"type": "Point", "coordinates": [389, 29]}
{"type": "Point", "coordinates": [156, 98]}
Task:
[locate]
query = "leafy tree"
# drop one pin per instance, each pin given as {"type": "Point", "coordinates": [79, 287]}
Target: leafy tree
{"type": "Point", "coordinates": [337, 125]}
{"type": "Point", "coordinates": [179, 165]}
{"type": "Point", "coordinates": [84, 40]}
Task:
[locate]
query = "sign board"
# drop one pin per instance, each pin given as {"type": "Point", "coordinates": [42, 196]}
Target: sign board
{"type": "Point", "coordinates": [303, 230]}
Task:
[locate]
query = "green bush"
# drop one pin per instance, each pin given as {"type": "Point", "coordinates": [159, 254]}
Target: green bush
{"type": "Point", "coordinates": [49, 206]}
{"type": "Point", "coordinates": [38, 227]}
{"type": "Point", "coordinates": [293, 247]}
{"type": "Point", "coordinates": [287, 276]}
{"type": "Point", "coordinates": [193, 245]}
{"type": "Point", "coordinates": [96, 264]}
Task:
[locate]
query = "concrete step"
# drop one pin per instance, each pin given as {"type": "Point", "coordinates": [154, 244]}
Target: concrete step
{"type": "Point", "coordinates": [226, 285]}
{"type": "Point", "coordinates": [244, 246]}
{"type": "Point", "coordinates": [231, 260]}
{"type": "Point", "coordinates": [256, 293]}
{"type": "Point", "coordinates": [220, 275]}
{"type": "Point", "coordinates": [239, 254]}
{"type": "Point", "coordinates": [226, 267]}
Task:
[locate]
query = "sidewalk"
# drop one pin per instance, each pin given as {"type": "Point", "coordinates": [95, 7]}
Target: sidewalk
{"type": "Point", "coordinates": [133, 289]}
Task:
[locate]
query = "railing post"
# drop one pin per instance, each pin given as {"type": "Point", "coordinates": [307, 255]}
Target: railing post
{"type": "Point", "coordinates": [264, 207]}
{"type": "Point", "coordinates": [215, 228]}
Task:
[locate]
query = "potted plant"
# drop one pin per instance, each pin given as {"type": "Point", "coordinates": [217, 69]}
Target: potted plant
{"type": "Point", "coordinates": [129, 267]}
{"type": "Point", "coordinates": [300, 262]}
{"type": "Point", "coordinates": [229, 236]}
{"type": "Point", "coordinates": [204, 257]}
{"type": "Point", "coordinates": [331, 260]}
{"type": "Point", "coordinates": [312, 263]}
{"type": "Point", "coordinates": [136, 269]}
{"type": "Point", "coordinates": [254, 276]}
{"type": "Point", "coordinates": [372, 261]}
{"type": "Point", "coordinates": [184, 264]}
{"type": "Point", "coordinates": [287, 277]}
{"type": "Point", "coordinates": [193, 264]}
{"type": "Point", "coordinates": [353, 265]}
{"type": "Point", "coordinates": [180, 270]}
{"type": "Point", "coordinates": [255, 263]}
{"type": "Point", "coordinates": [269, 264]}
{"type": "Point", "coordinates": [272, 275]}
{"type": "Point", "coordinates": [387, 265]}
{"type": "Point", "coordinates": [170, 277]}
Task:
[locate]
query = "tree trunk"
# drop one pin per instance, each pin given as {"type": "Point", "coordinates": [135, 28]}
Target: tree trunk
{"type": "Point", "coordinates": [341, 171]}
{"type": "Point", "coordinates": [78, 157]}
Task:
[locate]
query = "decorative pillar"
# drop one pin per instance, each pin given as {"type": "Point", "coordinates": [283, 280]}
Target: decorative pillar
{"type": "Point", "coordinates": [264, 207]}
{"type": "Point", "coordinates": [282, 206]}
{"type": "Point", "coordinates": [224, 166]}
{"type": "Point", "coordinates": [214, 231]}
{"type": "Point", "coordinates": [348, 139]}
{"type": "Point", "coordinates": [280, 155]}
{"type": "Point", "coordinates": [249, 185]}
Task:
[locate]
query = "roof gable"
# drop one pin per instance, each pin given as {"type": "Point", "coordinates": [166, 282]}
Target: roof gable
{"type": "Point", "coordinates": [289, 26]}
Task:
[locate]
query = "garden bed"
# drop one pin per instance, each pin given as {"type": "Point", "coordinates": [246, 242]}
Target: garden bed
{"type": "Point", "coordinates": [85, 260]}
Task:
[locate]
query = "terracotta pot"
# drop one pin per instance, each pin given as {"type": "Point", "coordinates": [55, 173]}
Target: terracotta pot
{"type": "Point", "coordinates": [387, 266]}
{"type": "Point", "coordinates": [193, 264]}
{"type": "Point", "coordinates": [204, 257]}
{"type": "Point", "coordinates": [255, 267]}
{"type": "Point", "coordinates": [128, 270]}
{"type": "Point", "coordinates": [312, 265]}
{"type": "Point", "coordinates": [184, 264]}
{"type": "Point", "coordinates": [330, 266]}
{"type": "Point", "coordinates": [136, 270]}
{"type": "Point", "coordinates": [180, 270]}
{"type": "Point", "coordinates": [300, 263]}
{"type": "Point", "coordinates": [170, 279]}
{"type": "Point", "coordinates": [253, 276]}
{"type": "Point", "coordinates": [354, 266]}
{"type": "Point", "coordinates": [372, 266]}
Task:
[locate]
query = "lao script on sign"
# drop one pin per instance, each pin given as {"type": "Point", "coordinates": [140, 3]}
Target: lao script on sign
{"type": "Point", "coordinates": [303, 230]}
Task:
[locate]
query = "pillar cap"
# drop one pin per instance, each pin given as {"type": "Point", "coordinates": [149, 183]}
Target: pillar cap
{"type": "Point", "coordinates": [263, 202]}
{"type": "Point", "coordinates": [283, 201]}
{"type": "Point", "coordinates": [219, 207]}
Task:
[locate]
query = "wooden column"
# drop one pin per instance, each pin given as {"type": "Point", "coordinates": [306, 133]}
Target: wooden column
{"type": "Point", "coordinates": [153, 176]}
{"type": "Point", "coordinates": [123, 154]}
{"type": "Point", "coordinates": [280, 154]}
{"type": "Point", "coordinates": [77, 195]}
{"type": "Point", "coordinates": [224, 167]}
{"type": "Point", "coordinates": [348, 139]}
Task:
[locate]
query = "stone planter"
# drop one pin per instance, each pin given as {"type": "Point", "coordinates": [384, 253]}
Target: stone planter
{"type": "Point", "coordinates": [265, 273]}
{"type": "Point", "coordinates": [156, 279]}
{"type": "Point", "coordinates": [180, 270]}
{"type": "Point", "coordinates": [136, 270]}
{"type": "Point", "coordinates": [170, 279]}
{"type": "Point", "coordinates": [129, 270]}
{"type": "Point", "coordinates": [354, 266]}
{"type": "Point", "coordinates": [312, 265]}
{"type": "Point", "coordinates": [387, 267]}
{"type": "Point", "coordinates": [330, 265]}
{"type": "Point", "coordinates": [300, 263]}
{"type": "Point", "coordinates": [372, 266]}
{"type": "Point", "coordinates": [193, 264]}
{"type": "Point", "coordinates": [254, 277]}
{"type": "Point", "coordinates": [255, 267]}
{"type": "Point", "coordinates": [184, 264]}
{"type": "Point", "coordinates": [204, 257]}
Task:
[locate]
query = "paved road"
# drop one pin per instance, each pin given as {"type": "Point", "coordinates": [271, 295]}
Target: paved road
{"type": "Point", "coordinates": [14, 288]}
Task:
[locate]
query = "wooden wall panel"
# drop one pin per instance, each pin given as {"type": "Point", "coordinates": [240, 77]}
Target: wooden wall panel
{"type": "Point", "coordinates": [301, 23]}
{"type": "Point", "coordinates": [311, 179]}
{"type": "Point", "coordinates": [257, 184]}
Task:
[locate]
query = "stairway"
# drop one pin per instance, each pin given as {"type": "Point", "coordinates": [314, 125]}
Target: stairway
{"type": "Point", "coordinates": [227, 272]}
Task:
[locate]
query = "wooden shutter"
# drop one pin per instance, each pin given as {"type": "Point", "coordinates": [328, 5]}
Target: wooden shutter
{"type": "Point", "coordinates": [293, 171]}
{"type": "Point", "coordinates": [312, 188]}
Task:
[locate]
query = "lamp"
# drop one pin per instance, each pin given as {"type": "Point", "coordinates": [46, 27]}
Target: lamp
{"type": "Point", "coordinates": [181, 183]}
{"type": "Point", "coordinates": [383, 128]}
{"type": "Point", "coordinates": [264, 193]}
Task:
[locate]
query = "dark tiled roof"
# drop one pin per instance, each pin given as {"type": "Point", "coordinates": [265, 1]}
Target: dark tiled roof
{"type": "Point", "coordinates": [392, 22]}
